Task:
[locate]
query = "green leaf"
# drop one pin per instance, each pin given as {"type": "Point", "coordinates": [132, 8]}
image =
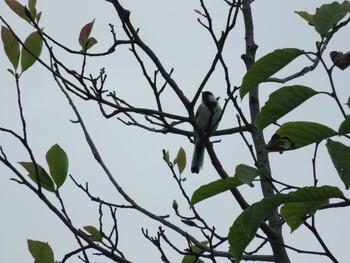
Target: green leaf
{"type": "Point", "coordinates": [84, 35]}
{"type": "Point", "coordinates": [11, 71]}
{"type": "Point", "coordinates": [266, 66]}
{"type": "Point", "coordinates": [293, 135]}
{"type": "Point", "coordinates": [247, 223]}
{"type": "Point", "coordinates": [309, 18]}
{"type": "Point", "coordinates": [329, 15]}
{"type": "Point", "coordinates": [91, 42]}
{"type": "Point", "coordinates": [214, 188]}
{"type": "Point", "coordinates": [32, 7]}
{"type": "Point", "coordinates": [95, 234]}
{"type": "Point", "coordinates": [34, 43]}
{"type": "Point", "coordinates": [340, 155]}
{"type": "Point", "coordinates": [17, 8]}
{"type": "Point", "coordinates": [281, 102]}
{"type": "Point", "coordinates": [38, 16]}
{"type": "Point", "coordinates": [193, 259]}
{"type": "Point", "coordinates": [345, 126]}
{"type": "Point", "coordinates": [304, 133]}
{"type": "Point", "coordinates": [246, 174]}
{"type": "Point", "coordinates": [180, 160]}
{"type": "Point", "coordinates": [294, 213]}
{"type": "Point", "coordinates": [305, 202]}
{"type": "Point", "coordinates": [313, 193]}
{"type": "Point", "coordinates": [45, 180]}
{"type": "Point", "coordinates": [58, 164]}
{"type": "Point", "coordinates": [11, 46]}
{"type": "Point", "coordinates": [41, 252]}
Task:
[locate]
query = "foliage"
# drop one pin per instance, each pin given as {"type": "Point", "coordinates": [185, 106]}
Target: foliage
{"type": "Point", "coordinates": [58, 164]}
{"type": "Point", "coordinates": [85, 41]}
{"type": "Point", "coordinates": [266, 67]}
{"type": "Point", "coordinates": [41, 252]}
{"type": "Point", "coordinates": [281, 203]}
{"type": "Point", "coordinates": [281, 102]}
{"type": "Point", "coordinates": [297, 205]}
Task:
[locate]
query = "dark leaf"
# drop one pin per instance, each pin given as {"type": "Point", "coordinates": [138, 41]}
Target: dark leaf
{"type": "Point", "coordinates": [266, 66]}
{"type": "Point", "coordinates": [247, 223]}
{"type": "Point", "coordinates": [340, 60]}
{"type": "Point", "coordinates": [340, 155]}
{"type": "Point", "coordinates": [189, 222]}
{"type": "Point", "coordinates": [28, 14]}
{"type": "Point", "coordinates": [278, 144]}
{"type": "Point", "coordinates": [329, 15]}
{"type": "Point", "coordinates": [345, 126]}
{"type": "Point", "coordinates": [295, 213]}
{"type": "Point", "coordinates": [282, 102]}
{"type": "Point", "coordinates": [305, 202]}
{"type": "Point", "coordinates": [246, 174]}
{"type": "Point", "coordinates": [175, 206]}
{"type": "Point", "coordinates": [214, 188]}
{"type": "Point", "coordinates": [293, 135]}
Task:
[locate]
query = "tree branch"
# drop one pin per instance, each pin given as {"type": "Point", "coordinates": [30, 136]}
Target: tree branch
{"type": "Point", "coordinates": [263, 161]}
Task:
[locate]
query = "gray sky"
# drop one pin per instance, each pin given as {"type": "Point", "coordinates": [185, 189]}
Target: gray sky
{"type": "Point", "coordinates": [134, 156]}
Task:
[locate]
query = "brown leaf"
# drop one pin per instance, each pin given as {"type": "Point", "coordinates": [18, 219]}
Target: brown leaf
{"type": "Point", "coordinates": [85, 33]}
{"type": "Point", "coordinates": [340, 60]}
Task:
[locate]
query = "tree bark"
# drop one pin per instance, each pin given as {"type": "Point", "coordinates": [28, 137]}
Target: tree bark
{"type": "Point", "coordinates": [275, 223]}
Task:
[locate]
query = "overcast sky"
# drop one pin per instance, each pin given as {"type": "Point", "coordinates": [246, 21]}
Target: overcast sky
{"type": "Point", "coordinates": [134, 156]}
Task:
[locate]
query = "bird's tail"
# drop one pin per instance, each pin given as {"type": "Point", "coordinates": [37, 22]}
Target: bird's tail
{"type": "Point", "coordinates": [198, 157]}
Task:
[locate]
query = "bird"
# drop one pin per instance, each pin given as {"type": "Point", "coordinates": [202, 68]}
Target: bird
{"type": "Point", "coordinates": [207, 117]}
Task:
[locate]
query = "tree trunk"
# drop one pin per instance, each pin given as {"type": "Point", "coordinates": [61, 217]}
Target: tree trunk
{"type": "Point", "coordinates": [275, 235]}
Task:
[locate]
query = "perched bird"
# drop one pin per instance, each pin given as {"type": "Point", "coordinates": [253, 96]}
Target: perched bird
{"type": "Point", "coordinates": [207, 117]}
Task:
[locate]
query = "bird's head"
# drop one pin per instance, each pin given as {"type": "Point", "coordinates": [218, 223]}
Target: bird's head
{"type": "Point", "coordinates": [207, 96]}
